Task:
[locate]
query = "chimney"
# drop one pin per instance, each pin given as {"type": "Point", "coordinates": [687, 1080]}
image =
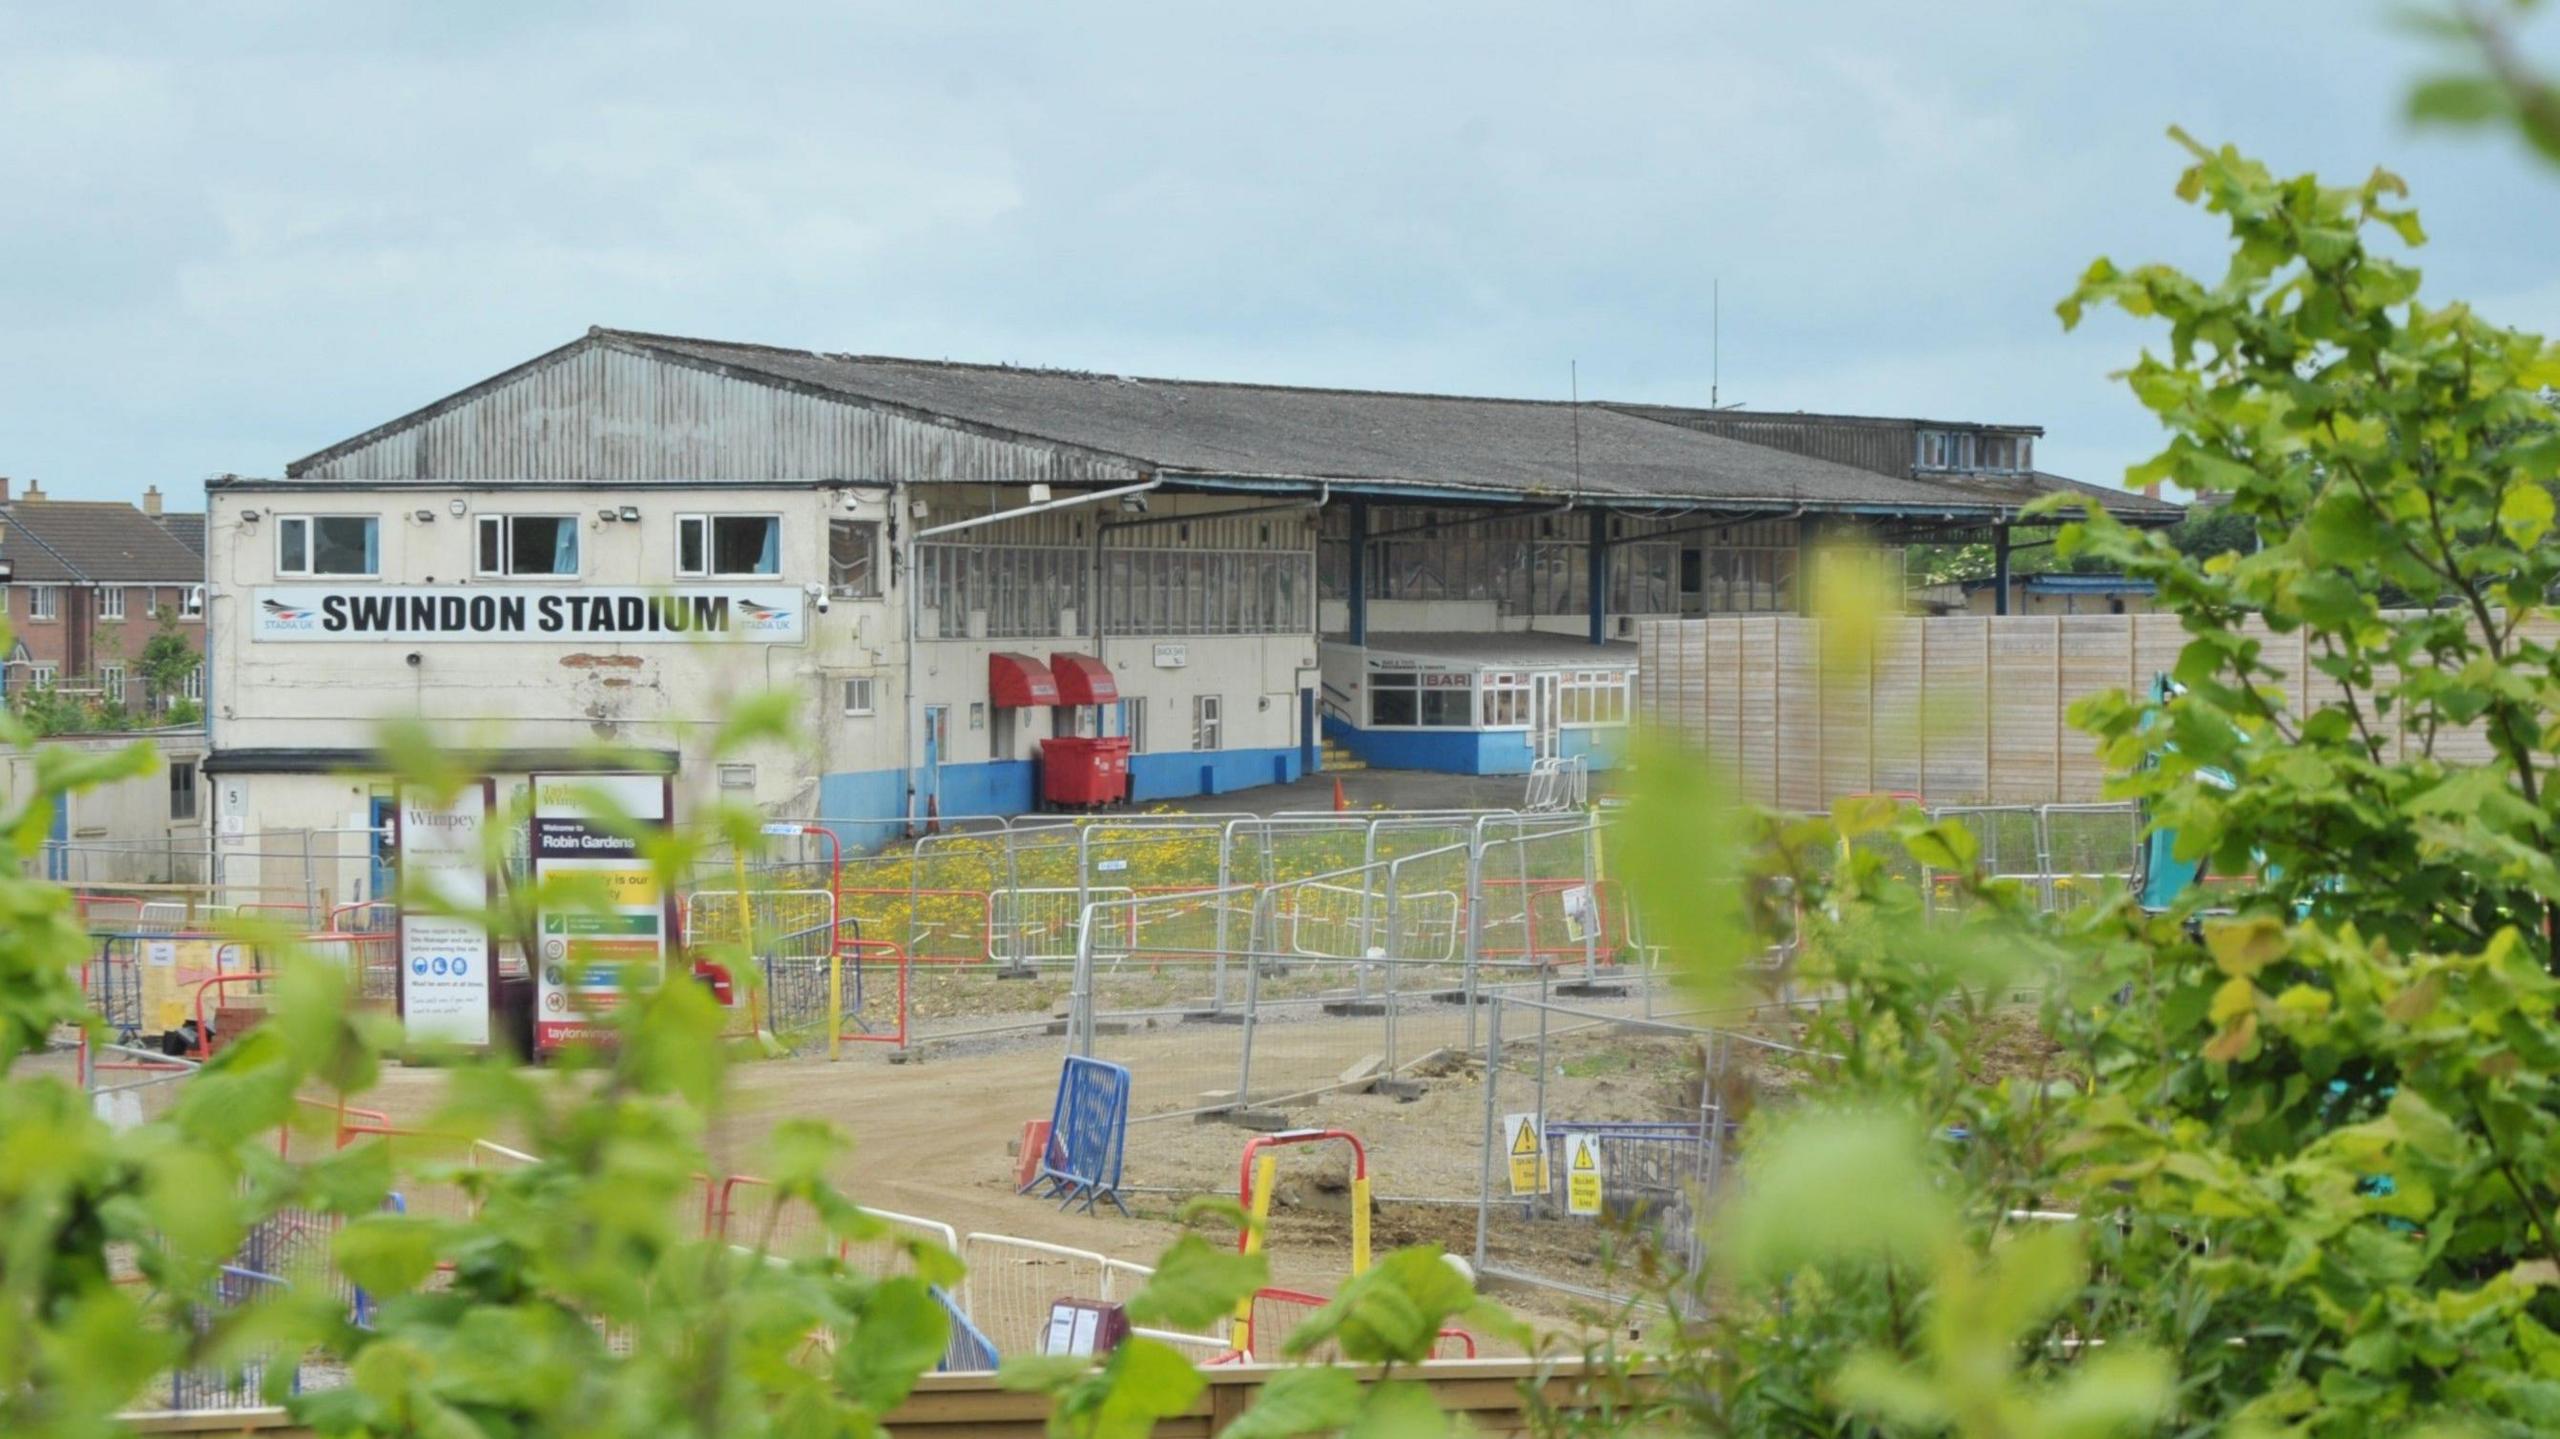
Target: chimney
{"type": "Point", "coordinates": [2150, 491]}
{"type": "Point", "coordinates": [4, 489]}
{"type": "Point", "coordinates": [151, 502]}
{"type": "Point", "coordinates": [35, 491]}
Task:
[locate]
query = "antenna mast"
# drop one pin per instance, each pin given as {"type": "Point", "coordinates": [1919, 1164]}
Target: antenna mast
{"type": "Point", "coordinates": [1715, 346]}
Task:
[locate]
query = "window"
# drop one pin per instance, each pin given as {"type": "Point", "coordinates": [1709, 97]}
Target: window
{"type": "Point", "coordinates": [853, 548]}
{"type": "Point", "coordinates": [44, 602]}
{"type": "Point", "coordinates": [978, 714]}
{"type": "Point", "coordinates": [192, 607]}
{"type": "Point", "coordinates": [857, 695]}
{"type": "Point", "coordinates": [1020, 590]}
{"type": "Point", "coordinates": [328, 545]}
{"type": "Point", "coordinates": [182, 789]}
{"type": "Point", "coordinates": [1436, 699]}
{"type": "Point", "coordinates": [1204, 721]}
{"type": "Point", "coordinates": [111, 683]}
{"type": "Point", "coordinates": [1394, 699]}
{"type": "Point", "coordinates": [737, 776]}
{"type": "Point", "coordinates": [111, 602]}
{"type": "Point", "coordinates": [728, 545]}
{"type": "Point", "coordinates": [1593, 697]}
{"type": "Point", "coordinates": [1133, 724]}
{"type": "Point", "coordinates": [195, 684]}
{"type": "Point", "coordinates": [41, 677]}
{"type": "Point", "coordinates": [528, 546]}
{"type": "Point", "coordinates": [1506, 700]}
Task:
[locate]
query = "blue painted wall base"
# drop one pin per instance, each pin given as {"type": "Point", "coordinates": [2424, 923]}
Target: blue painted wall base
{"type": "Point", "coordinates": [1470, 751]}
{"type": "Point", "coordinates": [873, 803]}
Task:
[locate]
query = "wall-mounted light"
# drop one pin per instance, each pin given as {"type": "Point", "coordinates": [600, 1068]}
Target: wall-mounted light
{"type": "Point", "coordinates": [631, 514]}
{"type": "Point", "coordinates": [458, 507]}
{"type": "Point", "coordinates": [426, 517]}
{"type": "Point", "coordinates": [248, 517]}
{"type": "Point", "coordinates": [607, 516]}
{"type": "Point", "coordinates": [1039, 494]}
{"type": "Point", "coordinates": [1134, 504]}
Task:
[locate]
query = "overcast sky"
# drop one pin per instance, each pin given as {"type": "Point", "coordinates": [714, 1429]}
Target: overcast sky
{"type": "Point", "coordinates": [233, 234]}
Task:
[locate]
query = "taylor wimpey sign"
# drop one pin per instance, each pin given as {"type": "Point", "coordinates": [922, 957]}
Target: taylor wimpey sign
{"type": "Point", "coordinates": [760, 614]}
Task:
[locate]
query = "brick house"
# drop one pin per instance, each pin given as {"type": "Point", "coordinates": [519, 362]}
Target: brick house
{"type": "Point", "coordinates": [81, 585]}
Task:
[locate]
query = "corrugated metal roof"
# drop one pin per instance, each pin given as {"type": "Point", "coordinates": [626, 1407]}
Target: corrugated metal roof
{"type": "Point", "coordinates": [1073, 426]}
{"type": "Point", "coordinates": [1541, 447]}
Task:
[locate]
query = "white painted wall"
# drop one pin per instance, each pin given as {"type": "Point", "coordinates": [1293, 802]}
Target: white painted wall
{"type": "Point", "coordinates": [657, 695]}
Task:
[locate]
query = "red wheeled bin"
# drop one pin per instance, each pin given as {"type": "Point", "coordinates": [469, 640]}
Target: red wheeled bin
{"type": "Point", "coordinates": [1082, 772]}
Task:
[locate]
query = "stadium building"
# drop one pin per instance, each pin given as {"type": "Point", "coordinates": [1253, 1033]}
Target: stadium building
{"type": "Point", "coordinates": [948, 563]}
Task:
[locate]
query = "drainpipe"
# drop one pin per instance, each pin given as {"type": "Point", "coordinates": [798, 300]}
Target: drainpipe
{"type": "Point", "coordinates": [1039, 507]}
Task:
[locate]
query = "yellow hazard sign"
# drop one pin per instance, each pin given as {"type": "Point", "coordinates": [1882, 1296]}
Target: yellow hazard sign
{"type": "Point", "coordinates": [1582, 1177]}
{"type": "Point", "coordinates": [1528, 1154]}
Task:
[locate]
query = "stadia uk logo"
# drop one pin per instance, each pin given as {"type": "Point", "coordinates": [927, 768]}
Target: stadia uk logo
{"type": "Point", "coordinates": [277, 615]}
{"type": "Point", "coordinates": [763, 617]}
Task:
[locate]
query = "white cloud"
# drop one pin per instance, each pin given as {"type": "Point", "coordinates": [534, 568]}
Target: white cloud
{"type": "Point", "coordinates": [237, 235]}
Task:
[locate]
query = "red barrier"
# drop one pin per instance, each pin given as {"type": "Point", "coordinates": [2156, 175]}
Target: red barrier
{"type": "Point", "coordinates": [854, 951]}
{"type": "Point", "coordinates": [204, 1033]}
{"type": "Point", "coordinates": [983, 901]}
{"type": "Point", "coordinates": [1605, 909]}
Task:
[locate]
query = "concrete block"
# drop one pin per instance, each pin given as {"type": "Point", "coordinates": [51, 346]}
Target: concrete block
{"type": "Point", "coordinates": [1264, 1121]}
{"type": "Point", "coordinates": [1363, 1074]}
{"type": "Point", "coordinates": [1402, 1091]}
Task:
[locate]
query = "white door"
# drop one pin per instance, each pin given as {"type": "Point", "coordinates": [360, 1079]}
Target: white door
{"type": "Point", "coordinates": [1545, 736]}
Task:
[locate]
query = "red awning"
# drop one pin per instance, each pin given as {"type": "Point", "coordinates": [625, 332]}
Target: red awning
{"type": "Point", "coordinates": [1019, 681]}
{"type": "Point", "coordinates": [1083, 680]}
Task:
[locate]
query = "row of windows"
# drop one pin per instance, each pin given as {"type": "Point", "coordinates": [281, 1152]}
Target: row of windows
{"type": "Point", "coordinates": [1006, 591]}
{"type": "Point", "coordinates": [1446, 699]}
{"type": "Point", "coordinates": [44, 602]}
{"type": "Point", "coordinates": [1971, 450]}
{"type": "Point", "coordinates": [1521, 575]}
{"type": "Point", "coordinates": [707, 546]}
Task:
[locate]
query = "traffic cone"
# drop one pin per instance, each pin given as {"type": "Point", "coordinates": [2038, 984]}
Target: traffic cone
{"type": "Point", "coordinates": [1340, 804]}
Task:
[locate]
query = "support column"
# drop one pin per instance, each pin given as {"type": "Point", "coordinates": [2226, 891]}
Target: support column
{"type": "Point", "coordinates": [1598, 565]}
{"type": "Point", "coordinates": [1808, 554]}
{"type": "Point", "coordinates": [1359, 598]}
{"type": "Point", "coordinates": [2000, 569]}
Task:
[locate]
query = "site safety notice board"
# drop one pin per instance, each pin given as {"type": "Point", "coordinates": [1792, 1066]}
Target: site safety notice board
{"type": "Point", "coordinates": [592, 957]}
{"type": "Point", "coordinates": [447, 959]}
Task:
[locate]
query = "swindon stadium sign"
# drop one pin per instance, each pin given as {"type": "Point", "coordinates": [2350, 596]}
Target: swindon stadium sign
{"type": "Point", "coordinates": [759, 614]}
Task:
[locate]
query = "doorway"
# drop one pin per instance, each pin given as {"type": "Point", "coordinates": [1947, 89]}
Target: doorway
{"type": "Point", "coordinates": [937, 741]}
{"type": "Point", "coordinates": [1546, 731]}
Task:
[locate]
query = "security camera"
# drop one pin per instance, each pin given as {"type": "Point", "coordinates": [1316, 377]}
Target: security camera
{"type": "Point", "coordinates": [416, 659]}
{"type": "Point", "coordinates": [818, 596]}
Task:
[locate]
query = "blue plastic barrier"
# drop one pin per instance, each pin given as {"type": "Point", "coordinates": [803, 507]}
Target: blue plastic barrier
{"type": "Point", "coordinates": [1088, 1134]}
{"type": "Point", "coordinates": [237, 1386]}
{"type": "Point", "coordinates": [970, 1350]}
